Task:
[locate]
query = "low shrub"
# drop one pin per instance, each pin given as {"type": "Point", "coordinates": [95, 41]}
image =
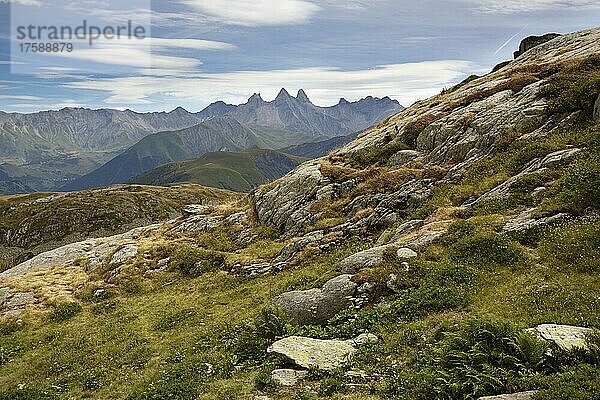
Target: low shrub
{"type": "Point", "coordinates": [486, 250]}
{"type": "Point", "coordinates": [193, 262]}
{"type": "Point", "coordinates": [65, 311]}
{"type": "Point", "coordinates": [575, 246]}
{"type": "Point", "coordinates": [578, 383]}
{"type": "Point", "coordinates": [27, 394]}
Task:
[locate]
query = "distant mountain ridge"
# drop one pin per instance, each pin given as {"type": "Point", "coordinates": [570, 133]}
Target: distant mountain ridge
{"type": "Point", "coordinates": [51, 149]}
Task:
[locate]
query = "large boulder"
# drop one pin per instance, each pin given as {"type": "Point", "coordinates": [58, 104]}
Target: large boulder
{"type": "Point", "coordinates": [317, 306]}
{"type": "Point", "coordinates": [365, 259]}
{"type": "Point", "coordinates": [286, 206]}
{"type": "Point", "coordinates": [514, 396]}
{"type": "Point", "coordinates": [325, 355]}
{"type": "Point", "coordinates": [566, 337]}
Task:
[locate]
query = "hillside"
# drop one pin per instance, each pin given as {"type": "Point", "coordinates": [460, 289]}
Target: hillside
{"type": "Point", "coordinates": [31, 224]}
{"type": "Point", "coordinates": [450, 252]}
{"type": "Point", "coordinates": [240, 172]}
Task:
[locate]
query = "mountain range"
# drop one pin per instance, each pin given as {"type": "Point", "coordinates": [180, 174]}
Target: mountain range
{"type": "Point", "coordinates": [78, 148]}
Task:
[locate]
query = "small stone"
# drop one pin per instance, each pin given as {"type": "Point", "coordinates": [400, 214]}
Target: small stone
{"type": "Point", "coordinates": [288, 377]}
{"type": "Point", "coordinates": [406, 253]}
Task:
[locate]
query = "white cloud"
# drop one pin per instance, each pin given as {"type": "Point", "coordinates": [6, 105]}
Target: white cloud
{"type": "Point", "coordinates": [256, 12]}
{"type": "Point", "coordinates": [57, 105]}
{"type": "Point", "coordinates": [144, 53]}
{"type": "Point", "coordinates": [405, 82]}
{"type": "Point", "coordinates": [521, 6]}
{"type": "Point", "coordinates": [17, 97]}
{"type": "Point", "coordinates": [36, 3]}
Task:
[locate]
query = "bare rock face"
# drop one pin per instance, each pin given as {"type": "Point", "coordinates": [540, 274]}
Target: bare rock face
{"type": "Point", "coordinates": [325, 355]}
{"type": "Point", "coordinates": [286, 206]}
{"type": "Point", "coordinates": [532, 41]}
{"type": "Point", "coordinates": [317, 306]}
{"type": "Point", "coordinates": [514, 396]}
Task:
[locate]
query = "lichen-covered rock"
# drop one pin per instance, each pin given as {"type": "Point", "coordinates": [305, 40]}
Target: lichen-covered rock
{"type": "Point", "coordinates": [296, 246]}
{"type": "Point", "coordinates": [317, 306]}
{"type": "Point", "coordinates": [126, 253]}
{"type": "Point", "coordinates": [514, 396]}
{"type": "Point", "coordinates": [533, 41]}
{"type": "Point", "coordinates": [365, 259]}
{"type": "Point", "coordinates": [566, 337]}
{"type": "Point", "coordinates": [287, 205]}
{"type": "Point", "coordinates": [526, 220]}
{"type": "Point", "coordinates": [288, 377]}
{"type": "Point", "coordinates": [325, 355]}
{"type": "Point", "coordinates": [96, 251]}
{"type": "Point", "coordinates": [199, 223]}
{"type": "Point", "coordinates": [13, 304]}
{"type": "Point", "coordinates": [406, 253]}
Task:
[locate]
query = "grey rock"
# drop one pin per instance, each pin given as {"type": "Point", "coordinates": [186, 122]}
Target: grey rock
{"type": "Point", "coordinates": [525, 221]}
{"type": "Point", "coordinates": [403, 157]}
{"type": "Point", "coordinates": [194, 209]}
{"type": "Point", "coordinates": [503, 191]}
{"type": "Point", "coordinates": [365, 259]}
{"type": "Point", "coordinates": [406, 253]}
{"type": "Point", "coordinates": [317, 306]}
{"type": "Point", "coordinates": [597, 109]}
{"type": "Point", "coordinates": [288, 377]}
{"type": "Point", "coordinates": [199, 223]}
{"type": "Point", "coordinates": [514, 396]}
{"type": "Point", "coordinates": [566, 337]}
{"type": "Point", "coordinates": [287, 205]}
{"type": "Point", "coordinates": [290, 250]}
{"type": "Point", "coordinates": [533, 41]}
{"type": "Point", "coordinates": [240, 218]}
{"type": "Point", "coordinates": [126, 253]}
{"type": "Point", "coordinates": [16, 303]}
{"type": "Point", "coordinates": [96, 251]}
{"type": "Point", "coordinates": [4, 295]}
{"type": "Point", "coordinates": [325, 355]}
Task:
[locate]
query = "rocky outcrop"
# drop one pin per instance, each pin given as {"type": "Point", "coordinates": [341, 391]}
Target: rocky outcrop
{"type": "Point", "coordinates": [95, 251]}
{"type": "Point", "coordinates": [325, 355]}
{"type": "Point", "coordinates": [317, 306]}
{"type": "Point", "coordinates": [565, 337]}
{"type": "Point", "coordinates": [296, 246]}
{"type": "Point", "coordinates": [526, 220]}
{"type": "Point", "coordinates": [12, 304]}
{"type": "Point", "coordinates": [514, 396]}
{"type": "Point", "coordinates": [533, 41]}
{"type": "Point", "coordinates": [504, 190]}
{"type": "Point", "coordinates": [286, 206]}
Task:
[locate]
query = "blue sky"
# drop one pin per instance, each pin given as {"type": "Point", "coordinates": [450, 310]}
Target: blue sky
{"type": "Point", "coordinates": [200, 51]}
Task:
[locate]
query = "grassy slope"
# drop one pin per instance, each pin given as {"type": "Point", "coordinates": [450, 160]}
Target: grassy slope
{"type": "Point", "coordinates": [40, 221]}
{"type": "Point", "coordinates": [451, 334]}
{"type": "Point", "coordinates": [233, 171]}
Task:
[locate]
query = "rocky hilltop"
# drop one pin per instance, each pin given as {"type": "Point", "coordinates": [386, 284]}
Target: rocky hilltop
{"type": "Point", "coordinates": [450, 252]}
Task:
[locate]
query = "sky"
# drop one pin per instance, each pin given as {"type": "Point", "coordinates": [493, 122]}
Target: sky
{"type": "Point", "coordinates": [195, 52]}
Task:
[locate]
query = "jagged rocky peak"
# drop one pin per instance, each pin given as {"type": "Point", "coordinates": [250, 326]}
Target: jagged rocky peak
{"type": "Point", "coordinates": [283, 95]}
{"type": "Point", "coordinates": [255, 98]}
{"type": "Point", "coordinates": [302, 96]}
